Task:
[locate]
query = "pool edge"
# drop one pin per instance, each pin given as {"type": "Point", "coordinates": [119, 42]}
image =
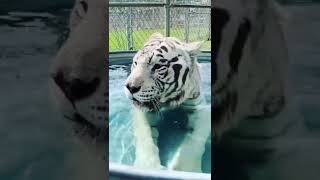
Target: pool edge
{"type": "Point", "coordinates": [125, 172]}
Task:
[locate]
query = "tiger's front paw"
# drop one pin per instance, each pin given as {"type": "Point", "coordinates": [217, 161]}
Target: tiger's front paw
{"type": "Point", "coordinates": [185, 163]}
{"type": "Point", "coordinates": [148, 163]}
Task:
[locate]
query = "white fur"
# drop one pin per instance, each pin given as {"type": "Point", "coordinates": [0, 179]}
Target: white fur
{"type": "Point", "coordinates": [140, 73]}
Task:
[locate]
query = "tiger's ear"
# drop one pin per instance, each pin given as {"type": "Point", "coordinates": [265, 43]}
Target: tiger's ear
{"type": "Point", "coordinates": [193, 48]}
{"type": "Point", "coordinates": [156, 36]}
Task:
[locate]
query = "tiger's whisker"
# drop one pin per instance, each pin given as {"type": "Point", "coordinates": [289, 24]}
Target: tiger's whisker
{"type": "Point", "coordinates": [158, 105]}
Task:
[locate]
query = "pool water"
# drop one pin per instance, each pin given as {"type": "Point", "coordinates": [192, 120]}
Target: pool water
{"type": "Point", "coordinates": [121, 143]}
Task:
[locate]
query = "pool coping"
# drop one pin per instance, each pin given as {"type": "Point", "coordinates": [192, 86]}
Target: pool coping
{"type": "Point", "coordinates": [122, 57]}
{"type": "Point", "coordinates": [125, 172]}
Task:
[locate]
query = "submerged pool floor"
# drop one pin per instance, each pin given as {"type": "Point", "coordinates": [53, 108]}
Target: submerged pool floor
{"type": "Point", "coordinates": [121, 143]}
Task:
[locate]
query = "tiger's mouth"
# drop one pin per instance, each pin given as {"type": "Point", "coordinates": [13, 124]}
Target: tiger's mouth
{"type": "Point", "coordinates": [148, 106]}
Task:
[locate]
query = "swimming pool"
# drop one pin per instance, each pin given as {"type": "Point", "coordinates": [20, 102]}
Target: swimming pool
{"type": "Point", "coordinates": [121, 144]}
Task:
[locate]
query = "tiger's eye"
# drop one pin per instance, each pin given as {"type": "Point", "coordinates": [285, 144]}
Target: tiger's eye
{"type": "Point", "coordinates": [156, 66]}
{"type": "Point", "coordinates": [163, 60]}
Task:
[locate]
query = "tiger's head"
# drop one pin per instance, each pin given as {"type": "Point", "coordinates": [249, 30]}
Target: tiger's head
{"type": "Point", "coordinates": [250, 61]}
{"type": "Point", "coordinates": [79, 72]}
{"type": "Point", "coordinates": [164, 73]}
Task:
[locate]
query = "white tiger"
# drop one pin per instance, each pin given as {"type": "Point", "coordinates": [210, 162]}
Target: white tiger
{"type": "Point", "coordinates": [258, 130]}
{"type": "Point", "coordinates": [165, 75]}
{"type": "Point", "coordinates": [79, 88]}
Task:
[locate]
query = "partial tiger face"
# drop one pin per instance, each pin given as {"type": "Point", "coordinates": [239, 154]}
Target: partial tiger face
{"type": "Point", "coordinates": [248, 68]}
{"type": "Point", "coordinates": [78, 72]}
{"type": "Point", "coordinates": [162, 73]}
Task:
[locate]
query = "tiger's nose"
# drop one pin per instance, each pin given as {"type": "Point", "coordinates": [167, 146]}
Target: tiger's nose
{"type": "Point", "coordinates": [75, 89]}
{"type": "Point", "coordinates": [133, 89]}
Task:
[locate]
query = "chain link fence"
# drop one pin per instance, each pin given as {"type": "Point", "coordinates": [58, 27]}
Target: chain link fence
{"type": "Point", "coordinates": [131, 22]}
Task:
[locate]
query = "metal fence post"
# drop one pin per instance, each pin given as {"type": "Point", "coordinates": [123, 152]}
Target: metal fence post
{"type": "Point", "coordinates": [209, 34]}
{"type": "Point", "coordinates": [167, 6]}
{"type": "Point", "coordinates": [129, 29]}
{"type": "Point", "coordinates": [199, 28]}
{"type": "Point", "coordinates": [186, 26]}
